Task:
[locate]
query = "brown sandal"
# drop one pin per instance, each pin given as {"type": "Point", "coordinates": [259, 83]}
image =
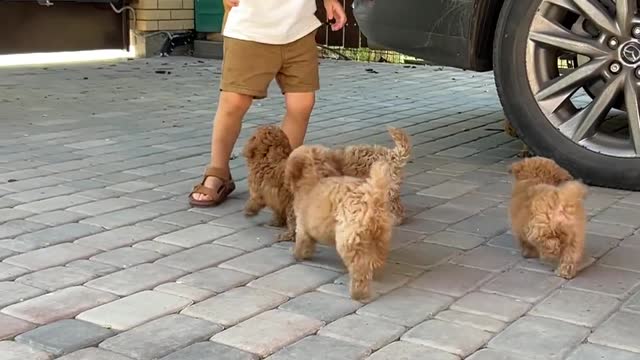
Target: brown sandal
{"type": "Point", "coordinates": [218, 195]}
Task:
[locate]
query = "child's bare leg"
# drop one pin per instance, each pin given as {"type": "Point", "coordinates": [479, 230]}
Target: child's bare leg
{"type": "Point", "coordinates": [226, 128]}
{"type": "Point", "coordinates": [299, 108]}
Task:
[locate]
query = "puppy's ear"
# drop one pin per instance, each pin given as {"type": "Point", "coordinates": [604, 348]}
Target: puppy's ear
{"type": "Point", "coordinates": [515, 169]}
{"type": "Point", "coordinates": [294, 169]}
{"type": "Point", "coordinates": [249, 149]}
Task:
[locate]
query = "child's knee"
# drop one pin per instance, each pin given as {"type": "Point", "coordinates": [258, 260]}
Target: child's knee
{"type": "Point", "coordinates": [232, 103]}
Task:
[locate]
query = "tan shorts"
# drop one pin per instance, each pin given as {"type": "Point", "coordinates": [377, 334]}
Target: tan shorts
{"type": "Point", "coordinates": [249, 67]}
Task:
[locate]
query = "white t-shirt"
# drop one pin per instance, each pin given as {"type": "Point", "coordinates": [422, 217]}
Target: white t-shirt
{"type": "Point", "coordinates": [271, 21]}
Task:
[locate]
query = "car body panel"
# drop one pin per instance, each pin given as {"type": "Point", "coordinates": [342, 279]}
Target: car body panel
{"type": "Point", "coordinates": [456, 33]}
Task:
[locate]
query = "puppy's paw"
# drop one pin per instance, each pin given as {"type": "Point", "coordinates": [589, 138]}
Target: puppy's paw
{"type": "Point", "coordinates": [567, 271]}
{"type": "Point", "coordinates": [250, 210]}
{"type": "Point", "coordinates": [528, 253]}
{"type": "Point", "coordinates": [287, 236]}
{"type": "Point", "coordinates": [359, 290]}
{"type": "Point", "coordinates": [301, 254]}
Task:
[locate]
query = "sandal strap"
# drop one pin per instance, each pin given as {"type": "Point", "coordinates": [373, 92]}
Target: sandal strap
{"type": "Point", "coordinates": [219, 173]}
{"type": "Point", "coordinates": [201, 189]}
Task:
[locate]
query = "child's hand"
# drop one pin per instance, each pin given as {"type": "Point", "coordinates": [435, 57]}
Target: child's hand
{"type": "Point", "coordinates": [334, 11]}
{"type": "Point", "coordinates": [232, 3]}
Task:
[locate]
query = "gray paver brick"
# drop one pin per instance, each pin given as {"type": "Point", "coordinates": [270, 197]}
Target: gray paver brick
{"type": "Point", "coordinates": [448, 190]}
{"type": "Point", "coordinates": [134, 310]}
{"type": "Point", "coordinates": [525, 285]}
{"type": "Point", "coordinates": [488, 258]}
{"type": "Point", "coordinates": [408, 351]}
{"type": "Point", "coordinates": [235, 305]}
{"type": "Point", "coordinates": [451, 279]}
{"type": "Point", "coordinates": [10, 350]}
{"type": "Point", "coordinates": [10, 326]}
{"type": "Point", "coordinates": [268, 332]}
{"type": "Point", "coordinates": [64, 336]}
{"type": "Point", "coordinates": [539, 338]}
{"type": "Point", "coordinates": [577, 307]}
{"type": "Point", "coordinates": [619, 331]}
{"type": "Point", "coordinates": [99, 207]}
{"type": "Point", "coordinates": [422, 226]}
{"type": "Point", "coordinates": [492, 305]}
{"type": "Point", "coordinates": [363, 330]}
{"type": "Point", "coordinates": [13, 214]}
{"type": "Point", "coordinates": [94, 354]}
{"type": "Point", "coordinates": [160, 337]}
{"type": "Point", "coordinates": [55, 278]}
{"type": "Point", "coordinates": [126, 257]}
{"type": "Point", "coordinates": [260, 262]}
{"type": "Point", "coordinates": [5, 253]}
{"type": "Point", "coordinates": [476, 321]}
{"type": "Point", "coordinates": [605, 280]}
{"type": "Point", "coordinates": [210, 350]}
{"type": "Point", "coordinates": [11, 293]}
{"type": "Point", "coordinates": [456, 339]}
{"type": "Point", "coordinates": [16, 227]}
{"type": "Point", "coordinates": [633, 304]}
{"type": "Point", "coordinates": [185, 218]}
{"type": "Point", "coordinates": [251, 239]}
{"type": "Point", "coordinates": [321, 347]}
{"type": "Point", "coordinates": [184, 291]}
{"type": "Point", "coordinates": [91, 267]}
{"type": "Point", "coordinates": [595, 352]}
{"type": "Point", "coordinates": [482, 225]}
{"type": "Point", "coordinates": [61, 304]}
{"type": "Point", "coordinates": [406, 306]}
{"type": "Point", "coordinates": [215, 279]}
{"type": "Point", "coordinates": [423, 255]}
{"type": "Point", "coordinates": [160, 248]}
{"type": "Point", "coordinates": [490, 354]}
{"type": "Point", "coordinates": [55, 235]}
{"type": "Point", "coordinates": [615, 231]}
{"type": "Point", "coordinates": [119, 218]}
{"type": "Point", "coordinates": [56, 218]}
{"type": "Point", "coordinates": [199, 257]}
{"type": "Point", "coordinates": [10, 272]}
{"type": "Point", "coordinates": [134, 279]}
{"type": "Point", "coordinates": [446, 213]}
{"type": "Point", "coordinates": [294, 280]}
{"type": "Point", "coordinates": [53, 203]}
{"type": "Point", "coordinates": [51, 256]}
{"type": "Point", "coordinates": [455, 239]}
{"type": "Point", "coordinates": [195, 235]}
{"type": "Point", "coordinates": [623, 258]}
{"type": "Point", "coordinates": [321, 306]}
{"type": "Point", "coordinates": [116, 238]}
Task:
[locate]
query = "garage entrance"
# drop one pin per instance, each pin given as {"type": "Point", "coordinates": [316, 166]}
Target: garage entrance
{"type": "Point", "coordinates": [65, 26]}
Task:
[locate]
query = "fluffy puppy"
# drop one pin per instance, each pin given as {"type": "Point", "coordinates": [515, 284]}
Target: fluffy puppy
{"type": "Point", "coordinates": [353, 214]}
{"type": "Point", "coordinates": [358, 160]}
{"type": "Point", "coordinates": [266, 153]}
{"type": "Point", "coordinates": [547, 214]}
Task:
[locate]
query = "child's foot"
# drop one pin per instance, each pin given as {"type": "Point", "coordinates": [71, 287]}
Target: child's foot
{"type": "Point", "coordinates": [213, 190]}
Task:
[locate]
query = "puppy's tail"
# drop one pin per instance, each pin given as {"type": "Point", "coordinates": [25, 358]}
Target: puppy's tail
{"type": "Point", "coordinates": [402, 152]}
{"type": "Point", "coordinates": [571, 195]}
{"type": "Point", "coordinates": [378, 183]}
{"type": "Point", "coordinates": [572, 192]}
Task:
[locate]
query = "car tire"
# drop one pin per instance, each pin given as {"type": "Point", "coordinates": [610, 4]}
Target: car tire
{"type": "Point", "coordinates": [524, 114]}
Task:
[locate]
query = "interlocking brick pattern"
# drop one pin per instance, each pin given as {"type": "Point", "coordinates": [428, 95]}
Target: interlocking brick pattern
{"type": "Point", "coordinates": [101, 257]}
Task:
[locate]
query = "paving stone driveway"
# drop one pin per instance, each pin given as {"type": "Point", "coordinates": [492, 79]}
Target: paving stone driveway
{"type": "Point", "coordinates": [102, 258]}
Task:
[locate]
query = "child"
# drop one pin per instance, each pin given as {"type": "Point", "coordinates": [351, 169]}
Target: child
{"type": "Point", "coordinates": [264, 40]}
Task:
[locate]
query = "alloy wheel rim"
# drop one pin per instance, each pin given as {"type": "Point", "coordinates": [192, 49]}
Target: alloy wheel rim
{"type": "Point", "coordinates": [608, 121]}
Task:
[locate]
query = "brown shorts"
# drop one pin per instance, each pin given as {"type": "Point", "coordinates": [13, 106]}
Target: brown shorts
{"type": "Point", "coordinates": [249, 67]}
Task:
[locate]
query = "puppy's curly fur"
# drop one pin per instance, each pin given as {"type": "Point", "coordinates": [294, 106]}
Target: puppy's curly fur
{"type": "Point", "coordinates": [358, 160]}
{"type": "Point", "coordinates": [547, 214]}
{"type": "Point", "coordinates": [351, 213]}
{"type": "Point", "coordinates": [266, 153]}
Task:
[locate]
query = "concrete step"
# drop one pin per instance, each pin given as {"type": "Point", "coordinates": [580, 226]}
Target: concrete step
{"type": "Point", "coordinates": [207, 49]}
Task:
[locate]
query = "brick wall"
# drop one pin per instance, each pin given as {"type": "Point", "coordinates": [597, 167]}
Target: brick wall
{"type": "Point", "coordinates": [153, 15]}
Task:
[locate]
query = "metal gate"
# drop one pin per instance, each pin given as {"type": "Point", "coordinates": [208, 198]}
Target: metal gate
{"type": "Point", "coordinates": [65, 26]}
{"type": "Point", "coordinates": [348, 37]}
